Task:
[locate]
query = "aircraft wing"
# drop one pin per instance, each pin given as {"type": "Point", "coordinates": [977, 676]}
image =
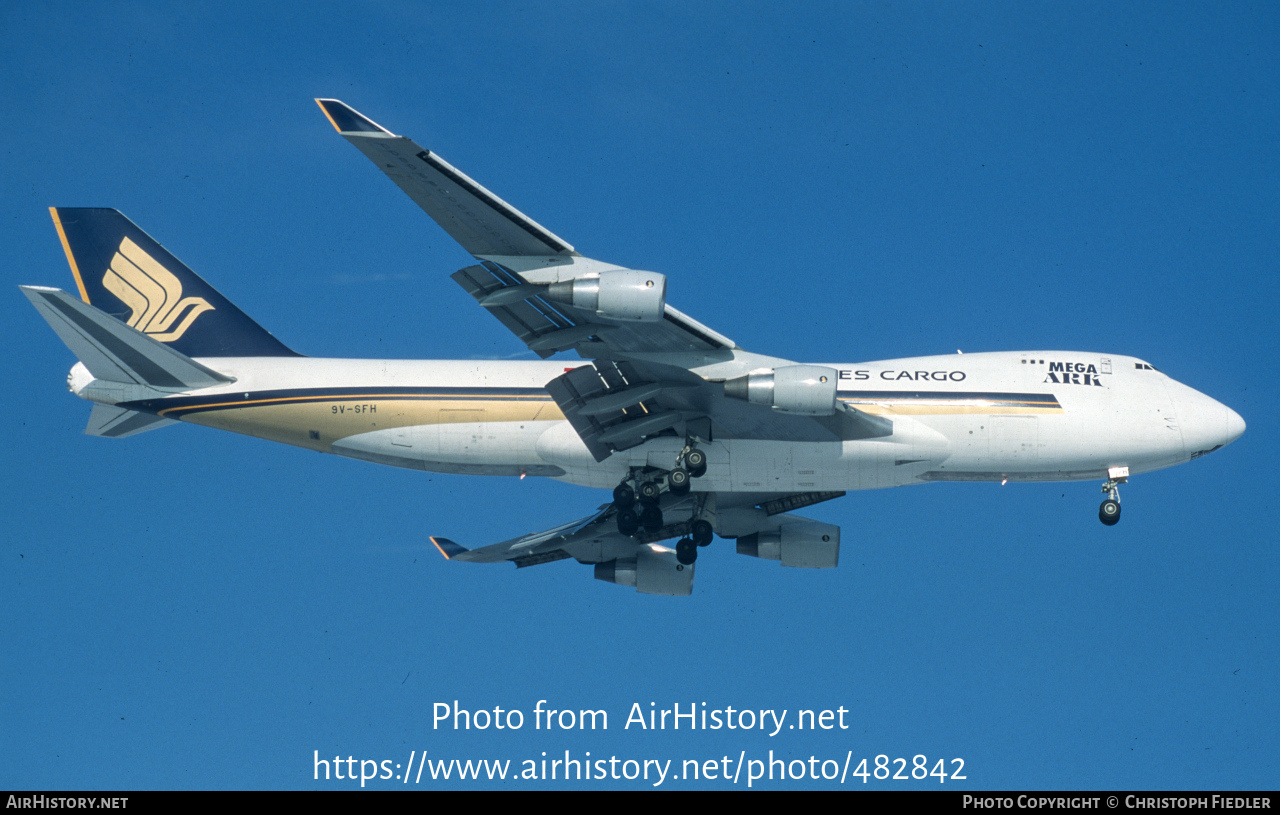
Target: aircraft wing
{"type": "Point", "coordinates": [596, 539]}
{"type": "Point", "coordinates": [590, 539]}
{"type": "Point", "coordinates": [526, 550]}
{"type": "Point", "coordinates": [640, 382]}
{"type": "Point", "coordinates": [479, 220]}
{"type": "Point", "coordinates": [489, 228]}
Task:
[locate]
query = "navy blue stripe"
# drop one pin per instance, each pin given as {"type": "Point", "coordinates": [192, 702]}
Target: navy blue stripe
{"type": "Point", "coordinates": [176, 406]}
{"type": "Point", "coordinates": [969, 396]}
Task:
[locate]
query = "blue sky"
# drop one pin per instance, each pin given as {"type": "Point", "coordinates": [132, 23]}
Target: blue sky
{"type": "Point", "coordinates": [831, 182]}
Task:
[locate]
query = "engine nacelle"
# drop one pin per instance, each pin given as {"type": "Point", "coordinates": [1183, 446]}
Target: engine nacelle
{"type": "Point", "coordinates": [804, 544]}
{"type": "Point", "coordinates": [625, 295]}
{"type": "Point", "coordinates": [654, 570]}
{"type": "Point", "coordinates": [807, 390]}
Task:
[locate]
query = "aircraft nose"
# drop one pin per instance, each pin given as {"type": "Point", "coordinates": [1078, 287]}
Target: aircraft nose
{"type": "Point", "coordinates": [1235, 425]}
{"type": "Point", "coordinates": [1207, 424]}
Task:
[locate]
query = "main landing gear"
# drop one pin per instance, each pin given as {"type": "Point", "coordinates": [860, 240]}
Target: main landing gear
{"type": "Point", "coordinates": [691, 463]}
{"type": "Point", "coordinates": [638, 506]}
{"type": "Point", "coordinates": [638, 498]}
{"type": "Point", "coordinates": [700, 534]}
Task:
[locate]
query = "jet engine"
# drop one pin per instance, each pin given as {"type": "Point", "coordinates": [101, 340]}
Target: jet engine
{"type": "Point", "coordinates": [625, 295]}
{"type": "Point", "coordinates": [654, 570]}
{"type": "Point", "coordinates": [804, 544]}
{"type": "Point", "coordinates": [807, 390]}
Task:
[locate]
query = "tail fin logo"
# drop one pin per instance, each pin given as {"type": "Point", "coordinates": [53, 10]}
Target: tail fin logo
{"type": "Point", "coordinates": [152, 292]}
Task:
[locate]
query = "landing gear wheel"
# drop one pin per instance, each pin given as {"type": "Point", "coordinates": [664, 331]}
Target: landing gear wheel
{"type": "Point", "coordinates": [651, 518]}
{"type": "Point", "coordinates": [700, 532]}
{"type": "Point", "coordinates": [686, 551]}
{"type": "Point", "coordinates": [696, 461]}
{"type": "Point", "coordinates": [623, 495]}
{"type": "Point", "coordinates": [628, 521]}
{"type": "Point", "coordinates": [678, 481]}
{"type": "Point", "coordinates": [649, 491]}
{"type": "Point", "coordinates": [1109, 512]}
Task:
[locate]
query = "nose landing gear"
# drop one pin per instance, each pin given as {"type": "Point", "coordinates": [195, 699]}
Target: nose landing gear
{"type": "Point", "coordinates": [1109, 512]}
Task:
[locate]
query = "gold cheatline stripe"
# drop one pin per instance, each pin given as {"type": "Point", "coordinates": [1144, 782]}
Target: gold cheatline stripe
{"type": "Point", "coordinates": [437, 546]}
{"type": "Point", "coordinates": [71, 259]}
{"type": "Point", "coordinates": [337, 396]}
{"type": "Point", "coordinates": [327, 116]}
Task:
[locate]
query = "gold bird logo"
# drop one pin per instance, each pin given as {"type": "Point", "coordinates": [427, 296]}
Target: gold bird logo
{"type": "Point", "coordinates": [152, 293]}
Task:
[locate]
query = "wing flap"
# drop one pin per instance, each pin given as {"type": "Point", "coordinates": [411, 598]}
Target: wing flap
{"type": "Point", "coordinates": [535, 322]}
{"type": "Point", "coordinates": [550, 327]}
{"type": "Point", "coordinates": [611, 407]}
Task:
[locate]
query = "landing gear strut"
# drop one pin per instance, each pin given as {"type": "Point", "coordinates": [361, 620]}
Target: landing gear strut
{"type": "Point", "coordinates": [1109, 512]}
{"type": "Point", "coordinates": [639, 507]}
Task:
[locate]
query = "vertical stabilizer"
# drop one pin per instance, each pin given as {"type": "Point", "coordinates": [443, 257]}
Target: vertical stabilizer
{"type": "Point", "coordinates": [122, 271]}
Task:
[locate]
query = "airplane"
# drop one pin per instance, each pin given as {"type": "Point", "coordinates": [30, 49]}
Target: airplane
{"type": "Point", "coordinates": [695, 436]}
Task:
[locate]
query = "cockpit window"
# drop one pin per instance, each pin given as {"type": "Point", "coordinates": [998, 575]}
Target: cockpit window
{"type": "Point", "coordinates": [1142, 366]}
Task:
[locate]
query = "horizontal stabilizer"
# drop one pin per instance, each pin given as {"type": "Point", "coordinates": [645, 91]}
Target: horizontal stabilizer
{"type": "Point", "coordinates": [480, 221]}
{"type": "Point", "coordinates": [113, 351]}
{"type": "Point", "coordinates": [118, 423]}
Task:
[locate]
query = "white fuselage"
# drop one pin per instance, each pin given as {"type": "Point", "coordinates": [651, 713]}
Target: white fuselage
{"type": "Point", "coordinates": [1045, 415]}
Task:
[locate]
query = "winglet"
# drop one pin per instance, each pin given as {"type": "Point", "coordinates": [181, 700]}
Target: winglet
{"type": "Point", "coordinates": [448, 548]}
{"type": "Point", "coordinates": [345, 119]}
